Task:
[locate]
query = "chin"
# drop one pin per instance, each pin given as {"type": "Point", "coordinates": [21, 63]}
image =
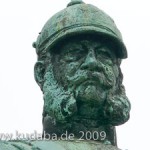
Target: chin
{"type": "Point", "coordinates": [90, 94]}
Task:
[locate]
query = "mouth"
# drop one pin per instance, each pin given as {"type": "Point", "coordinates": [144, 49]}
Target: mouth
{"type": "Point", "coordinates": [91, 78]}
{"type": "Point", "coordinates": [89, 82]}
{"type": "Point", "coordinates": [87, 78]}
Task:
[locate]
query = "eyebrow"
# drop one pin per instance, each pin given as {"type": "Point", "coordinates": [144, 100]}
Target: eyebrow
{"type": "Point", "coordinates": [84, 45]}
{"type": "Point", "coordinates": [107, 49]}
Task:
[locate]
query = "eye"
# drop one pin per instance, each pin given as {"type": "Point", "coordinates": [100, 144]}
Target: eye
{"type": "Point", "coordinates": [73, 54]}
{"type": "Point", "coordinates": [103, 53]}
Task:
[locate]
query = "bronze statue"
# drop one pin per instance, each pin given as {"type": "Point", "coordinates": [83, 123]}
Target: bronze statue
{"type": "Point", "coordinates": [78, 70]}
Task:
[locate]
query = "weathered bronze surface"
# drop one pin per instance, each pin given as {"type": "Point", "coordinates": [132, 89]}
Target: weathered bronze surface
{"type": "Point", "coordinates": [55, 145]}
{"type": "Point", "coordinates": [78, 70]}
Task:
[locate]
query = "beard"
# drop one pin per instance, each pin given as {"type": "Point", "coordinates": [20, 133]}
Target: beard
{"type": "Point", "coordinates": [93, 84]}
{"type": "Point", "coordinates": [58, 103]}
{"type": "Point", "coordinates": [90, 91]}
{"type": "Point", "coordinates": [84, 98]}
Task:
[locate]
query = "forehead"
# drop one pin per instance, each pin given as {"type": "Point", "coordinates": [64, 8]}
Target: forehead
{"type": "Point", "coordinates": [91, 41]}
{"type": "Point", "coordinates": [88, 42]}
{"type": "Point", "coordinates": [85, 41]}
{"type": "Point", "coordinates": [82, 43]}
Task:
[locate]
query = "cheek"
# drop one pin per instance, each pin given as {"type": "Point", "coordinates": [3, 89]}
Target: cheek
{"type": "Point", "coordinates": [64, 70]}
{"type": "Point", "coordinates": [116, 71]}
{"type": "Point", "coordinates": [109, 75]}
{"type": "Point", "coordinates": [108, 70]}
{"type": "Point", "coordinates": [70, 68]}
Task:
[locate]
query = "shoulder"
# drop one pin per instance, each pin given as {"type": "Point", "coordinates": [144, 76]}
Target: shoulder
{"type": "Point", "coordinates": [54, 145]}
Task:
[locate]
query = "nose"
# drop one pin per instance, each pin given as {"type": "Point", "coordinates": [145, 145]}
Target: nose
{"type": "Point", "coordinates": [90, 62]}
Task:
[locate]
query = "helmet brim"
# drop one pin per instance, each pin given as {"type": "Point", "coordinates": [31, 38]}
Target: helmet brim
{"type": "Point", "coordinates": [120, 51]}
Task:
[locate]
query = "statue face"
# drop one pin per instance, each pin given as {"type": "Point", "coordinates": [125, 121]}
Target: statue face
{"type": "Point", "coordinates": [80, 76]}
{"type": "Point", "coordinates": [81, 79]}
{"type": "Point", "coordinates": [87, 68]}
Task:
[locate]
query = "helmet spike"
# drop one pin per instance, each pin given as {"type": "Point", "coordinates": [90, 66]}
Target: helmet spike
{"type": "Point", "coordinates": [74, 2]}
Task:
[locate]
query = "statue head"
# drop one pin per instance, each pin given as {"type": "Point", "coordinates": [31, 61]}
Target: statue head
{"type": "Point", "coordinates": [78, 69]}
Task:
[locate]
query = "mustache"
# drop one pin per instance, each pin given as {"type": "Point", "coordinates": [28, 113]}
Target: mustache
{"type": "Point", "coordinates": [81, 76]}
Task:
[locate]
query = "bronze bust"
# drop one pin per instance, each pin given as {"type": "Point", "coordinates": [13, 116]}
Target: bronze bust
{"type": "Point", "coordinates": [78, 69]}
{"type": "Point", "coordinates": [79, 51]}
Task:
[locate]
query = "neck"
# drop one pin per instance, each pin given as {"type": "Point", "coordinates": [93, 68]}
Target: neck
{"type": "Point", "coordinates": [80, 129]}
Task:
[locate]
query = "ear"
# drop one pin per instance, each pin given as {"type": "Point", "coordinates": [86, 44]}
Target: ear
{"type": "Point", "coordinates": [39, 71]}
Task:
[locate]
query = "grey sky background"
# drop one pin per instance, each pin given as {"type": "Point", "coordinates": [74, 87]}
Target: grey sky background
{"type": "Point", "coordinates": [21, 101]}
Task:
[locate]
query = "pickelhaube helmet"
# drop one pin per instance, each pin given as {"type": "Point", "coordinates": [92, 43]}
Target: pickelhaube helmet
{"type": "Point", "coordinates": [79, 18]}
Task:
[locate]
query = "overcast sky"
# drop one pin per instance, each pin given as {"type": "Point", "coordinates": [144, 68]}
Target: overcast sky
{"type": "Point", "coordinates": [21, 101]}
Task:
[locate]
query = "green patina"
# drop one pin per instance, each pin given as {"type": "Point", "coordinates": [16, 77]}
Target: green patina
{"type": "Point", "coordinates": [78, 70]}
{"type": "Point", "coordinates": [79, 55]}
